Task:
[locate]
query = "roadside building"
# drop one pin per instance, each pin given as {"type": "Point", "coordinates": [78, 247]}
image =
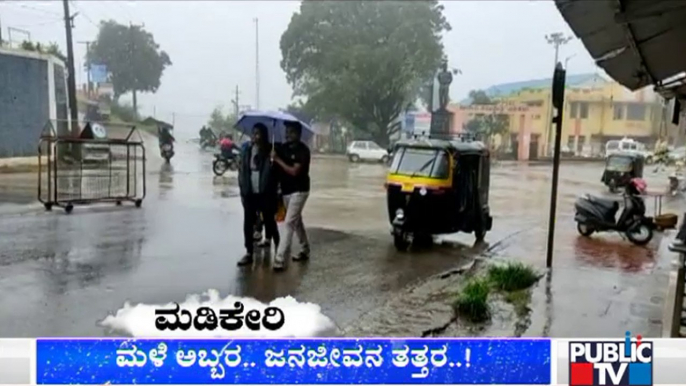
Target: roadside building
{"type": "Point", "coordinates": [596, 110]}
{"type": "Point", "coordinates": [33, 92]}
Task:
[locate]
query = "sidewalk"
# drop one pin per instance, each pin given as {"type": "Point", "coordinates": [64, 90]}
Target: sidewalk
{"type": "Point", "coordinates": [20, 164]}
{"type": "Point", "coordinates": [599, 287]}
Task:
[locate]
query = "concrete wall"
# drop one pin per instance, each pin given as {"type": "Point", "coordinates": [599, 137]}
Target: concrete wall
{"type": "Point", "coordinates": [28, 99]}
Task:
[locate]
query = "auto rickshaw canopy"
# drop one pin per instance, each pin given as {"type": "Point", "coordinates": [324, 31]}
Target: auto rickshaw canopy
{"type": "Point", "coordinates": [625, 162]}
{"type": "Point", "coordinates": [452, 146]}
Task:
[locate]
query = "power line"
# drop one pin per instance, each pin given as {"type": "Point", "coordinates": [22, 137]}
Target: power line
{"type": "Point", "coordinates": [28, 7]}
{"type": "Point", "coordinates": [38, 24]}
{"type": "Point", "coordinates": [88, 19]}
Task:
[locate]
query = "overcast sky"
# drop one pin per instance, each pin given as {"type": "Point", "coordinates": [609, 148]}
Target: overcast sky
{"type": "Point", "coordinates": [212, 46]}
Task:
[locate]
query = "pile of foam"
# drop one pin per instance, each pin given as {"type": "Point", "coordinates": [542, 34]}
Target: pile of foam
{"type": "Point", "coordinates": [302, 320]}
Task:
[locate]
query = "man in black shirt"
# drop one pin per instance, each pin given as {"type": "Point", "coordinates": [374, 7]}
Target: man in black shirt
{"type": "Point", "coordinates": [294, 162]}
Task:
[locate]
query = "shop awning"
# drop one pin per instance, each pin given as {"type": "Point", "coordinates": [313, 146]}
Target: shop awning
{"type": "Point", "coordinates": [637, 42]}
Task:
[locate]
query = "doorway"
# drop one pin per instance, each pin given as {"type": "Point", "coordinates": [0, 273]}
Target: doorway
{"type": "Point", "coordinates": [533, 146]}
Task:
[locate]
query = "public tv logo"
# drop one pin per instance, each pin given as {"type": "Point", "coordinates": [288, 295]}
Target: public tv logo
{"type": "Point", "coordinates": [611, 363]}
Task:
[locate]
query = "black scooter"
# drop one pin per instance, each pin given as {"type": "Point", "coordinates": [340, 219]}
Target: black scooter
{"type": "Point", "coordinates": [594, 214]}
{"type": "Point", "coordinates": [167, 151]}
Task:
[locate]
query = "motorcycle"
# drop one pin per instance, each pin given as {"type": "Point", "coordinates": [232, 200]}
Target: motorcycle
{"type": "Point", "coordinates": [208, 143]}
{"type": "Point", "coordinates": [221, 164]}
{"type": "Point", "coordinates": [595, 214]}
{"type": "Point", "coordinates": [167, 151]}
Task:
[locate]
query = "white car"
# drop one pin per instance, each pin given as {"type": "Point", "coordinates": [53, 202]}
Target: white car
{"type": "Point", "coordinates": [366, 151]}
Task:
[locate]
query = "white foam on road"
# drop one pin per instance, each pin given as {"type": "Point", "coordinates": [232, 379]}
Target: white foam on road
{"type": "Point", "coordinates": [302, 320]}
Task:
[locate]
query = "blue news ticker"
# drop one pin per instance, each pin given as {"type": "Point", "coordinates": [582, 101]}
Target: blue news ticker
{"type": "Point", "coordinates": [293, 361]}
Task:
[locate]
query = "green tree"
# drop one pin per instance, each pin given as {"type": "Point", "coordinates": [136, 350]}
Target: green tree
{"type": "Point", "coordinates": [220, 122]}
{"type": "Point", "coordinates": [363, 62]}
{"type": "Point", "coordinates": [479, 97]}
{"type": "Point", "coordinates": [54, 49]}
{"type": "Point", "coordinates": [51, 49]}
{"type": "Point", "coordinates": [132, 57]}
{"type": "Point", "coordinates": [486, 126]}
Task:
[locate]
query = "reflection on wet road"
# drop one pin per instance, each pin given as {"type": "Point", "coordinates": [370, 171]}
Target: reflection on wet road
{"type": "Point", "coordinates": [62, 273]}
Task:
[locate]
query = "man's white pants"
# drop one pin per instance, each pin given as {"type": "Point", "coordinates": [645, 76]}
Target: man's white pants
{"type": "Point", "coordinates": [293, 224]}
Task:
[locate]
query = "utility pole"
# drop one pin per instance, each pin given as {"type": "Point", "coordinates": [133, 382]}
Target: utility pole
{"type": "Point", "coordinates": [71, 81]}
{"type": "Point", "coordinates": [88, 67]}
{"type": "Point", "coordinates": [235, 101]}
{"type": "Point", "coordinates": [556, 39]}
{"type": "Point", "coordinates": [257, 63]}
{"type": "Point", "coordinates": [132, 52]}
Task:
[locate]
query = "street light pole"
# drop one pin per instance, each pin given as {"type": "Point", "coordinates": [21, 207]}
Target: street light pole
{"type": "Point", "coordinates": [567, 61]}
{"type": "Point", "coordinates": [257, 63]}
{"type": "Point", "coordinates": [88, 68]}
{"type": "Point", "coordinates": [556, 39]}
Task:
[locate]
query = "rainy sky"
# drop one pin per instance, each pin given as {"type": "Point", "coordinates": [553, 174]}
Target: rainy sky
{"type": "Point", "coordinates": [212, 46]}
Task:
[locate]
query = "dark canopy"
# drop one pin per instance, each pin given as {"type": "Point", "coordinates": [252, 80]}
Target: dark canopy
{"type": "Point", "coordinates": [637, 42]}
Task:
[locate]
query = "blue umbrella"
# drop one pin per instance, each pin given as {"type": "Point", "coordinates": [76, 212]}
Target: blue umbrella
{"type": "Point", "coordinates": [274, 120]}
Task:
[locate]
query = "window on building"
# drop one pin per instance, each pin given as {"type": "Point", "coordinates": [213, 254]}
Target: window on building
{"type": "Point", "coordinates": [635, 112]}
{"type": "Point", "coordinates": [570, 142]}
{"type": "Point", "coordinates": [618, 112]}
{"type": "Point", "coordinates": [573, 109]}
{"type": "Point", "coordinates": [538, 103]}
{"type": "Point", "coordinates": [581, 143]}
{"type": "Point", "coordinates": [537, 116]}
{"type": "Point", "coordinates": [583, 110]}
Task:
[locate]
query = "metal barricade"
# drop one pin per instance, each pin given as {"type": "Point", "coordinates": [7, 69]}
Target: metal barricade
{"type": "Point", "coordinates": [81, 171]}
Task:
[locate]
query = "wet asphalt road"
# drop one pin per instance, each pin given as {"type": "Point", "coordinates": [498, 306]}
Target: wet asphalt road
{"type": "Point", "coordinates": [60, 274]}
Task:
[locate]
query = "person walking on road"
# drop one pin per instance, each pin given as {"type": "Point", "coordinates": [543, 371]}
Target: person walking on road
{"type": "Point", "coordinates": [294, 162]}
{"type": "Point", "coordinates": [258, 186]}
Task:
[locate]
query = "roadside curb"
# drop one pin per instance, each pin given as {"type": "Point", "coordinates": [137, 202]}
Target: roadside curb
{"type": "Point", "coordinates": [13, 169]}
{"type": "Point", "coordinates": [674, 301]}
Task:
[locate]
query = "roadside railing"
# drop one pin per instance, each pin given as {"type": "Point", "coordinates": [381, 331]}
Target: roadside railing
{"type": "Point", "coordinates": [674, 315]}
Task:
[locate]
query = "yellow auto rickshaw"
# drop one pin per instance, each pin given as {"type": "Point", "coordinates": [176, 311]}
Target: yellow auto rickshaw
{"type": "Point", "coordinates": [438, 186]}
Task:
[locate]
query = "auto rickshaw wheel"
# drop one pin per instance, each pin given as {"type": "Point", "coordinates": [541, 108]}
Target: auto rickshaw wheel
{"type": "Point", "coordinates": [400, 241]}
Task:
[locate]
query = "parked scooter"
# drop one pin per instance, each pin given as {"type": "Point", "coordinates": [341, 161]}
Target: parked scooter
{"type": "Point", "coordinates": [594, 214]}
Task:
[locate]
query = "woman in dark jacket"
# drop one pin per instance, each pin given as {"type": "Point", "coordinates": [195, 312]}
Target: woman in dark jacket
{"type": "Point", "coordinates": [258, 184]}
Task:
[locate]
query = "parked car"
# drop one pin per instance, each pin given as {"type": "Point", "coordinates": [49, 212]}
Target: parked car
{"type": "Point", "coordinates": [367, 151]}
{"type": "Point", "coordinates": [678, 154]}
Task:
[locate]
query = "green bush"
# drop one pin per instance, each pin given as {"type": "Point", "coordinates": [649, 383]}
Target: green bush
{"type": "Point", "coordinates": [512, 277]}
{"type": "Point", "coordinates": [472, 302]}
{"type": "Point", "coordinates": [124, 111]}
